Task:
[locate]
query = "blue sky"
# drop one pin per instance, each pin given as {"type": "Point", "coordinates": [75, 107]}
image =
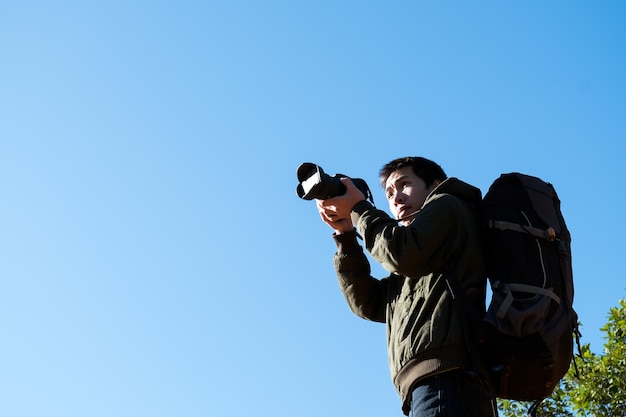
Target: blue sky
{"type": "Point", "coordinates": [155, 258]}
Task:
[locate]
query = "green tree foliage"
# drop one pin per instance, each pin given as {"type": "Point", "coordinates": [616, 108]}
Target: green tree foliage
{"type": "Point", "coordinates": [595, 385]}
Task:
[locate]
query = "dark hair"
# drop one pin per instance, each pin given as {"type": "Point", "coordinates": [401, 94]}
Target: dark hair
{"type": "Point", "coordinates": [426, 169]}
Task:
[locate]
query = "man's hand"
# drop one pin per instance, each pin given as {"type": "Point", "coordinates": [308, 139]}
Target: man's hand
{"type": "Point", "coordinates": [335, 211]}
{"type": "Point", "coordinates": [339, 225]}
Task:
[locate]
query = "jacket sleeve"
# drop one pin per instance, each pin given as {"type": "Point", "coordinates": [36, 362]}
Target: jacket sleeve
{"type": "Point", "coordinates": [365, 295]}
{"type": "Point", "coordinates": [414, 250]}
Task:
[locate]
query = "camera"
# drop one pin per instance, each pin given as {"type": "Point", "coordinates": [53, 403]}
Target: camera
{"type": "Point", "coordinates": [316, 184]}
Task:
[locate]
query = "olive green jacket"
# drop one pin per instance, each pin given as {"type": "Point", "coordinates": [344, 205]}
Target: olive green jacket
{"type": "Point", "coordinates": [425, 336]}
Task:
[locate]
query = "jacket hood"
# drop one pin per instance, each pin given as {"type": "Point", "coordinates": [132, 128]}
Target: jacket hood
{"type": "Point", "coordinates": [458, 188]}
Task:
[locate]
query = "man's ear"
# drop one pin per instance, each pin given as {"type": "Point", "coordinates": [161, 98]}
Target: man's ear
{"type": "Point", "coordinates": [434, 185]}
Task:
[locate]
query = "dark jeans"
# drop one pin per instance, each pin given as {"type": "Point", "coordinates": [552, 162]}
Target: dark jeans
{"type": "Point", "coordinates": [453, 394]}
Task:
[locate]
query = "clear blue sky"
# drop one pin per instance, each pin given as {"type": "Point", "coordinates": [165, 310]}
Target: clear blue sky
{"type": "Point", "coordinates": [155, 259]}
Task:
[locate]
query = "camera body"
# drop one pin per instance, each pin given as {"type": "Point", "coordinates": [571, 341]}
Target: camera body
{"type": "Point", "coordinates": [316, 184]}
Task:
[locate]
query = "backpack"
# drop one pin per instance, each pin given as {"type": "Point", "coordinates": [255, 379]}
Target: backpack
{"type": "Point", "coordinates": [526, 336]}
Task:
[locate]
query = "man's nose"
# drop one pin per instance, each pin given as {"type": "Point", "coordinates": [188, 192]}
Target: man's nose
{"type": "Point", "coordinates": [398, 198]}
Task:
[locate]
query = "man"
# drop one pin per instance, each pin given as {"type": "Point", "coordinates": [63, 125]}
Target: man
{"type": "Point", "coordinates": [438, 237]}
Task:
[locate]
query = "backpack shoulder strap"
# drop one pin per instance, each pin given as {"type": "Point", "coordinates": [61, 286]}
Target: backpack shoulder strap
{"type": "Point", "coordinates": [470, 324]}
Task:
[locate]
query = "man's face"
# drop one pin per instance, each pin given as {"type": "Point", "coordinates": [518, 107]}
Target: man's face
{"type": "Point", "coordinates": [406, 193]}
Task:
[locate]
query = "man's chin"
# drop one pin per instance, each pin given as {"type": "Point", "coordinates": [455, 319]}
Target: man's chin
{"type": "Point", "coordinates": [406, 220]}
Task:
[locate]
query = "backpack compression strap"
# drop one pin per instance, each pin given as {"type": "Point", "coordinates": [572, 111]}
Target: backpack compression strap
{"type": "Point", "coordinates": [509, 288]}
{"type": "Point", "coordinates": [549, 234]}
